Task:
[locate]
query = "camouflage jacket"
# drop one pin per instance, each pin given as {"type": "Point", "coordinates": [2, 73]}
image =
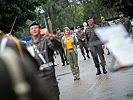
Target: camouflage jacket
{"type": "Point", "coordinates": [45, 47]}
{"type": "Point", "coordinates": [73, 41]}
{"type": "Point", "coordinates": [81, 35]}
{"type": "Point", "coordinates": [127, 24]}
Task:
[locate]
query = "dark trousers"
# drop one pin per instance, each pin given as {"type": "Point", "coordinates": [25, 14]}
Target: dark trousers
{"type": "Point", "coordinates": [97, 51]}
{"type": "Point", "coordinates": [62, 55]}
{"type": "Point", "coordinates": [83, 45]}
{"type": "Point", "coordinates": [50, 84]}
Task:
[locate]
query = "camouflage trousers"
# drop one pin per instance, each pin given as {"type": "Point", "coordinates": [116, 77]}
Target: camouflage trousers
{"type": "Point", "coordinates": [73, 61]}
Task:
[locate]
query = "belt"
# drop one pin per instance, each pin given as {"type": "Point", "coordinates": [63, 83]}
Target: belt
{"type": "Point", "coordinates": [70, 49]}
{"type": "Point", "coordinates": [47, 66]}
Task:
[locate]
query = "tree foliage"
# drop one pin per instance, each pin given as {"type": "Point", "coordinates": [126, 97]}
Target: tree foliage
{"type": "Point", "coordinates": [61, 12]}
{"type": "Point", "coordinates": [22, 9]}
{"type": "Point", "coordinates": [124, 6]}
{"type": "Point", "coordinates": [74, 12]}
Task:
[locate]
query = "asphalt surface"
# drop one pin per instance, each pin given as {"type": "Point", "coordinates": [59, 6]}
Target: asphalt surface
{"type": "Point", "coordinates": [112, 86]}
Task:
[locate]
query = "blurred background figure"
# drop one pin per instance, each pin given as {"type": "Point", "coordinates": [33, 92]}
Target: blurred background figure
{"type": "Point", "coordinates": [104, 23]}
{"type": "Point", "coordinates": [58, 37]}
{"type": "Point", "coordinates": [82, 41]}
{"type": "Point", "coordinates": [126, 23]}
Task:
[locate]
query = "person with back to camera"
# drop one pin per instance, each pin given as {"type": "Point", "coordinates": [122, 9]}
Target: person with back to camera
{"type": "Point", "coordinates": [18, 74]}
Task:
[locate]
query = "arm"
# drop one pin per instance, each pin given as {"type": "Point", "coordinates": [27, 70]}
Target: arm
{"type": "Point", "coordinates": [87, 35]}
{"type": "Point", "coordinates": [130, 26]}
{"type": "Point", "coordinates": [56, 44]}
{"type": "Point", "coordinates": [75, 41]}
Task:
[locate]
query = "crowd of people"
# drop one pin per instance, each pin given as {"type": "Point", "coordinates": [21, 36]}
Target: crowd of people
{"type": "Point", "coordinates": [28, 69]}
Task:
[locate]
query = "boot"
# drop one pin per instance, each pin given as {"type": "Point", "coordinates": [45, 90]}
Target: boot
{"type": "Point", "coordinates": [98, 71]}
{"type": "Point", "coordinates": [108, 53]}
{"type": "Point", "coordinates": [67, 63]}
{"type": "Point", "coordinates": [84, 57]}
{"type": "Point", "coordinates": [63, 64]}
{"type": "Point", "coordinates": [104, 70]}
{"type": "Point", "coordinates": [88, 56]}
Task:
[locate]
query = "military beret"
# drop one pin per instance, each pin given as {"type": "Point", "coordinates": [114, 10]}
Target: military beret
{"type": "Point", "coordinates": [78, 27]}
{"type": "Point", "coordinates": [120, 13]}
{"type": "Point", "coordinates": [90, 17]}
{"type": "Point", "coordinates": [57, 29]}
{"type": "Point", "coordinates": [33, 23]}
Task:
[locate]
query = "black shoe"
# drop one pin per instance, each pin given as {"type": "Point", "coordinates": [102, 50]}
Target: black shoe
{"type": "Point", "coordinates": [63, 65]}
{"type": "Point", "coordinates": [84, 58]}
{"type": "Point", "coordinates": [108, 53]}
{"type": "Point", "coordinates": [88, 56]}
{"type": "Point", "coordinates": [54, 65]}
{"type": "Point", "coordinates": [76, 78]}
{"type": "Point", "coordinates": [104, 70]}
{"type": "Point", "coordinates": [67, 63]}
{"type": "Point", "coordinates": [98, 71]}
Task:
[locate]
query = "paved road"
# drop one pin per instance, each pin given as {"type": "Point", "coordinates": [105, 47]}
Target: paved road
{"type": "Point", "coordinates": [112, 86]}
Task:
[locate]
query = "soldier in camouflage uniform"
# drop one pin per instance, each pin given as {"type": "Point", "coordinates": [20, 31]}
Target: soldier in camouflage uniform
{"type": "Point", "coordinates": [45, 47]}
{"type": "Point", "coordinates": [126, 23]}
{"type": "Point", "coordinates": [95, 46]}
{"type": "Point", "coordinates": [82, 42]}
{"type": "Point", "coordinates": [103, 24]}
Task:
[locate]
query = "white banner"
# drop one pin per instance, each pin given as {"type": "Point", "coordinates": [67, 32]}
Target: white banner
{"type": "Point", "coordinates": [118, 42]}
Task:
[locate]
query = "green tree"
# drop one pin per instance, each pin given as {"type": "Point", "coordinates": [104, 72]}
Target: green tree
{"type": "Point", "coordinates": [124, 6]}
{"type": "Point", "coordinates": [74, 12]}
{"type": "Point", "coordinates": [20, 9]}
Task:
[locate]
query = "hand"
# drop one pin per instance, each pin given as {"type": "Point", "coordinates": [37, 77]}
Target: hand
{"type": "Point", "coordinates": [51, 37]}
{"type": "Point", "coordinates": [83, 39]}
{"type": "Point", "coordinates": [89, 49]}
{"type": "Point", "coordinates": [8, 34]}
{"type": "Point", "coordinates": [103, 46]}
